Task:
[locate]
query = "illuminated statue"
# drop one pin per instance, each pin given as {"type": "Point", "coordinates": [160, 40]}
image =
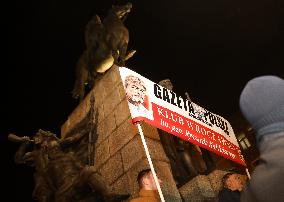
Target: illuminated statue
{"type": "Point", "coordinates": [106, 44]}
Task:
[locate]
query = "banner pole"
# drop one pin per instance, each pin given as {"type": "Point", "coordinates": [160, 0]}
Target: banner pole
{"type": "Point", "coordinates": [150, 162]}
{"type": "Point", "coordinates": [247, 171]}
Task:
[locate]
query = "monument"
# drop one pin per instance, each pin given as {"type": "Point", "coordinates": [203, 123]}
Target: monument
{"type": "Point", "coordinates": [99, 153]}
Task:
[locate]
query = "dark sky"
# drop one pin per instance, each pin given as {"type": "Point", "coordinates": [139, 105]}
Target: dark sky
{"type": "Point", "coordinates": [209, 48]}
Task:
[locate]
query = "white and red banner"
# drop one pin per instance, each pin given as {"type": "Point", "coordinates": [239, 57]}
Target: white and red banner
{"type": "Point", "coordinates": [166, 110]}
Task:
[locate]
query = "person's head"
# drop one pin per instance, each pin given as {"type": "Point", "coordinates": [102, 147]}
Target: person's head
{"type": "Point", "coordinates": [135, 90]}
{"type": "Point", "coordinates": [233, 181]}
{"type": "Point", "coordinates": [42, 136]}
{"type": "Point", "coordinates": [262, 104]}
{"type": "Point", "coordinates": [146, 180]}
{"type": "Point", "coordinates": [38, 137]}
{"type": "Point", "coordinates": [47, 140]}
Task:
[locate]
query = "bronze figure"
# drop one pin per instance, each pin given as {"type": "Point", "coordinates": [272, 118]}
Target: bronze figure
{"type": "Point", "coordinates": [59, 175]}
{"type": "Point", "coordinates": [106, 44]}
{"type": "Point", "coordinates": [185, 158]}
{"type": "Point", "coordinates": [37, 158]}
{"type": "Point", "coordinates": [70, 176]}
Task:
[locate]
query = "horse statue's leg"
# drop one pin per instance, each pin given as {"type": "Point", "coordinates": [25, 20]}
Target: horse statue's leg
{"type": "Point", "coordinates": [81, 74]}
{"type": "Point", "coordinates": [122, 46]}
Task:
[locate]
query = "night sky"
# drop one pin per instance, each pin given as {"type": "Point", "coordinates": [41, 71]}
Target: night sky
{"type": "Point", "coordinates": [208, 48]}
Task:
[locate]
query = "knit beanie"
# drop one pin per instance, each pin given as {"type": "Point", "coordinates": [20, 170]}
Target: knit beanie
{"type": "Point", "coordinates": [262, 104]}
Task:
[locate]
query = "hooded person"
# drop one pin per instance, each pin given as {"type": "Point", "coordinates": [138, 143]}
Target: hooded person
{"type": "Point", "coordinates": [262, 104]}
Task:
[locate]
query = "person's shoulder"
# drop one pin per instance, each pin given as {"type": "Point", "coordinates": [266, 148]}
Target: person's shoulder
{"type": "Point", "coordinates": [135, 200]}
{"type": "Point", "coordinates": [224, 193]}
{"type": "Point", "coordinates": [144, 199]}
{"type": "Point", "coordinates": [227, 195]}
{"type": "Point", "coordinates": [224, 190]}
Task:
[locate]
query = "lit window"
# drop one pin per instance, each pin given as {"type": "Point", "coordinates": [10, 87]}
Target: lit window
{"type": "Point", "coordinates": [244, 142]}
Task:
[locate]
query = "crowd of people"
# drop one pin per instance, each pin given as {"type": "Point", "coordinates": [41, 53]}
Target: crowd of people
{"type": "Point", "coordinates": [262, 104]}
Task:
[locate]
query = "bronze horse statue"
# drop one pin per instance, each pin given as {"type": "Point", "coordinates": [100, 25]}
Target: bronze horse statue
{"type": "Point", "coordinates": [106, 44]}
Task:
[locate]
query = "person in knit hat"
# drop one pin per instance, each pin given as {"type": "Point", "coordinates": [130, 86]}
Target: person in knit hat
{"type": "Point", "coordinates": [262, 104]}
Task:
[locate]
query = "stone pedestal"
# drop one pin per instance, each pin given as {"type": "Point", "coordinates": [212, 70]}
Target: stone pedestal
{"type": "Point", "coordinates": [119, 153]}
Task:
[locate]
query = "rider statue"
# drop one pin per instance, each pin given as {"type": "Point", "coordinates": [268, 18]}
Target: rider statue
{"type": "Point", "coordinates": [106, 44]}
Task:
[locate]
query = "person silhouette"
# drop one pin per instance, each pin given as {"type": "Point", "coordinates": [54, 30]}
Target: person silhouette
{"type": "Point", "coordinates": [262, 104]}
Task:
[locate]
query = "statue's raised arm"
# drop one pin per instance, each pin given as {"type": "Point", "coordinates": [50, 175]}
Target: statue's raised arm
{"type": "Point", "coordinates": [32, 153]}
